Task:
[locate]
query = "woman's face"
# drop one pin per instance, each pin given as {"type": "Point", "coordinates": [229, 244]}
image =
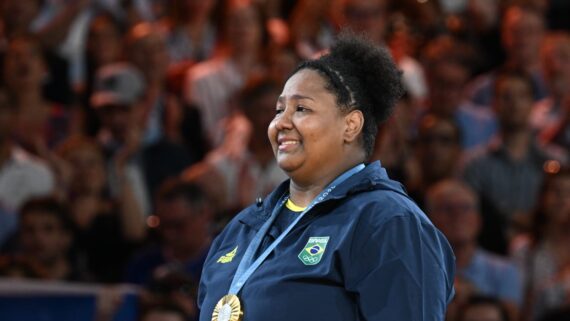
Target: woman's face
{"type": "Point", "coordinates": [23, 65]}
{"type": "Point", "coordinates": [88, 170]}
{"type": "Point", "coordinates": [513, 102]}
{"type": "Point", "coordinates": [307, 132]}
{"type": "Point", "coordinates": [104, 42]}
{"type": "Point", "coordinates": [149, 54]}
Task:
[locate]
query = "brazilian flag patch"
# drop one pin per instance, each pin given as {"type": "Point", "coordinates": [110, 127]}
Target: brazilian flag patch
{"type": "Point", "coordinates": [314, 250]}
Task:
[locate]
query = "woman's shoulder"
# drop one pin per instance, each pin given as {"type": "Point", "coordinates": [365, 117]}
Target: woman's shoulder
{"type": "Point", "coordinates": [384, 204]}
{"type": "Point", "coordinates": [249, 217]}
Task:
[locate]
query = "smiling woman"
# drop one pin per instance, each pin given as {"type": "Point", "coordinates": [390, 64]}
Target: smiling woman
{"type": "Point", "coordinates": [339, 240]}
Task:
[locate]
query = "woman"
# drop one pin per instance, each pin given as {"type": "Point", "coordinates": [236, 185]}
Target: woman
{"type": "Point", "coordinates": [40, 124]}
{"type": "Point", "coordinates": [543, 255]}
{"type": "Point", "coordinates": [339, 240]}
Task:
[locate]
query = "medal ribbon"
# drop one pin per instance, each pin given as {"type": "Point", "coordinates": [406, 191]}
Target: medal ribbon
{"type": "Point", "coordinates": [246, 268]}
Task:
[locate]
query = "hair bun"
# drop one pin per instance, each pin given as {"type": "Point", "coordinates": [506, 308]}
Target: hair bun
{"type": "Point", "coordinates": [377, 80]}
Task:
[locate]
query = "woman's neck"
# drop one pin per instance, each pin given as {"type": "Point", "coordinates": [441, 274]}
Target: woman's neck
{"type": "Point", "coordinates": [303, 195]}
{"type": "Point", "coordinates": [303, 190]}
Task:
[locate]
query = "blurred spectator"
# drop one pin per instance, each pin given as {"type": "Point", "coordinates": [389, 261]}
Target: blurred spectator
{"type": "Point", "coordinates": [451, 6]}
{"type": "Point", "coordinates": [557, 137]}
{"type": "Point", "coordinates": [183, 220]}
{"type": "Point", "coordinates": [438, 152]}
{"type": "Point", "coordinates": [394, 144]}
{"type": "Point", "coordinates": [561, 314]}
{"type": "Point", "coordinates": [243, 168]}
{"type": "Point", "coordinates": [18, 16]}
{"type": "Point", "coordinates": [22, 176]}
{"type": "Point", "coordinates": [521, 34]}
{"type": "Point", "coordinates": [479, 25]}
{"type": "Point", "coordinates": [402, 43]}
{"type": "Point", "coordinates": [161, 111]}
{"type": "Point", "coordinates": [454, 209]}
{"type": "Point", "coordinates": [193, 34]}
{"type": "Point", "coordinates": [557, 14]}
{"type": "Point", "coordinates": [108, 229]}
{"type": "Point", "coordinates": [40, 125]}
{"type": "Point", "coordinates": [69, 21]}
{"type": "Point", "coordinates": [364, 16]}
{"type": "Point", "coordinates": [211, 85]}
{"type": "Point", "coordinates": [127, 118]}
{"type": "Point", "coordinates": [371, 18]}
{"type": "Point", "coordinates": [282, 61]}
{"type": "Point", "coordinates": [23, 19]}
{"type": "Point", "coordinates": [312, 27]}
{"type": "Point", "coordinates": [103, 46]}
{"type": "Point", "coordinates": [171, 143]}
{"type": "Point", "coordinates": [544, 255]}
{"type": "Point", "coordinates": [20, 267]}
{"type": "Point", "coordinates": [174, 286]}
{"type": "Point", "coordinates": [53, 19]}
{"type": "Point", "coordinates": [549, 114]}
{"type": "Point", "coordinates": [507, 176]}
{"type": "Point", "coordinates": [448, 71]}
{"type": "Point", "coordinates": [45, 236]}
{"type": "Point", "coordinates": [428, 16]}
{"type": "Point", "coordinates": [163, 312]}
{"type": "Point", "coordinates": [482, 308]}
{"type": "Point", "coordinates": [119, 89]}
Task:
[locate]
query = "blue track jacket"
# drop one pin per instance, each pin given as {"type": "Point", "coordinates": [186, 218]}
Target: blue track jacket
{"type": "Point", "coordinates": [383, 261]}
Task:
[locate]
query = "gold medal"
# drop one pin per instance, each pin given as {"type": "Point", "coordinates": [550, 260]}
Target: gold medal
{"type": "Point", "coordinates": [228, 309]}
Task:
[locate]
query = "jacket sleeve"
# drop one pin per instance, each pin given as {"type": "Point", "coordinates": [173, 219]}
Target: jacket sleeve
{"type": "Point", "coordinates": [402, 269]}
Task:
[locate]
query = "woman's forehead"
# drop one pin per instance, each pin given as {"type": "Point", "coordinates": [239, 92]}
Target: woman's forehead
{"type": "Point", "coordinates": [304, 83]}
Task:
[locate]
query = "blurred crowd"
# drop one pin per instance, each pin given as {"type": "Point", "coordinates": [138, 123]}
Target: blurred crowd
{"type": "Point", "coordinates": [131, 131]}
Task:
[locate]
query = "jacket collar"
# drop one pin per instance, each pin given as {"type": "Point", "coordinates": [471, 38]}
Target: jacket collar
{"type": "Point", "coordinates": [372, 177]}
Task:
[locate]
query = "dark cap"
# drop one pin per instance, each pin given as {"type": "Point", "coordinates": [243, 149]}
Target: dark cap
{"type": "Point", "coordinates": [117, 84]}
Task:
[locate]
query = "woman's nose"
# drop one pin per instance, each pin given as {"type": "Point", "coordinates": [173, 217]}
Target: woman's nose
{"type": "Point", "coordinates": [283, 120]}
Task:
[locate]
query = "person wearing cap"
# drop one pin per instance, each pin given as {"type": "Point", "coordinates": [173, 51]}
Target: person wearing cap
{"type": "Point", "coordinates": [118, 89]}
{"type": "Point", "coordinates": [127, 133]}
{"type": "Point", "coordinates": [339, 240]}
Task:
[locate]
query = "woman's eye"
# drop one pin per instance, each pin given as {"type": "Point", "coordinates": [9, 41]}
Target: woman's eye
{"type": "Point", "coordinates": [278, 111]}
{"type": "Point", "coordinates": [301, 108]}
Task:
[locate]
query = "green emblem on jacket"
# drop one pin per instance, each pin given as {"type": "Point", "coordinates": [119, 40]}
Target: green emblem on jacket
{"type": "Point", "coordinates": [314, 250]}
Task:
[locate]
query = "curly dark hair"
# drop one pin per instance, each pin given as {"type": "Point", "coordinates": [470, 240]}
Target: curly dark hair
{"type": "Point", "coordinates": [362, 76]}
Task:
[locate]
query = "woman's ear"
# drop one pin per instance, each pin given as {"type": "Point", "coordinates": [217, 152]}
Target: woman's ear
{"type": "Point", "coordinates": [354, 123]}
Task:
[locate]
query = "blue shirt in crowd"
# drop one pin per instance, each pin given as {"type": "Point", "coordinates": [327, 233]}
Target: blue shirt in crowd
{"type": "Point", "coordinates": [493, 276]}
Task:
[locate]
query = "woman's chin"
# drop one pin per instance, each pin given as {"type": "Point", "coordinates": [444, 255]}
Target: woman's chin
{"type": "Point", "coordinates": [288, 165]}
